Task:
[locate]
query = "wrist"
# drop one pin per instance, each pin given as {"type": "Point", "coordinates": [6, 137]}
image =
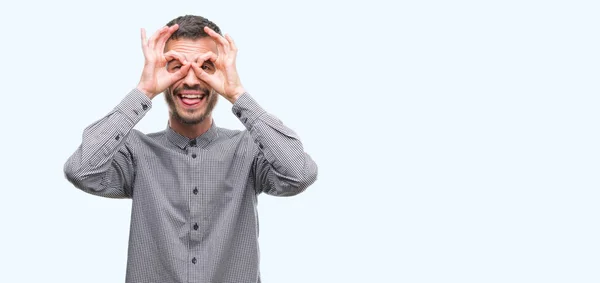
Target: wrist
{"type": "Point", "coordinates": [149, 94]}
{"type": "Point", "coordinates": [236, 94]}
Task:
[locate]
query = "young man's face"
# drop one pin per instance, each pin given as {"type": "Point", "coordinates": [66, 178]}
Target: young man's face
{"type": "Point", "coordinates": [190, 99]}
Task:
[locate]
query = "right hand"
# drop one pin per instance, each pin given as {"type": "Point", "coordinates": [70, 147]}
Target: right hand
{"type": "Point", "coordinates": [155, 77]}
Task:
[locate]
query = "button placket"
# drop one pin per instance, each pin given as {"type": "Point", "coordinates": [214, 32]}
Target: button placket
{"type": "Point", "coordinates": [196, 197]}
{"type": "Point", "coordinates": [193, 152]}
{"type": "Point", "coordinates": [195, 232]}
{"type": "Point", "coordinates": [193, 228]}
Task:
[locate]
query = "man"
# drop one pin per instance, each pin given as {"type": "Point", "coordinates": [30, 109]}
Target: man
{"type": "Point", "coordinates": [193, 186]}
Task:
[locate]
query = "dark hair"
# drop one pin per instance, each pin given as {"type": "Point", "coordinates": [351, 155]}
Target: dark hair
{"type": "Point", "coordinates": [192, 27]}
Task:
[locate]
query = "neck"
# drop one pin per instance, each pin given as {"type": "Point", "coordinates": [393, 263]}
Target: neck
{"type": "Point", "coordinates": [191, 131]}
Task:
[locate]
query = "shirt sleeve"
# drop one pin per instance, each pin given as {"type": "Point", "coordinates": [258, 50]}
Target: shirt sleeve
{"type": "Point", "coordinates": [103, 163]}
{"type": "Point", "coordinates": [281, 167]}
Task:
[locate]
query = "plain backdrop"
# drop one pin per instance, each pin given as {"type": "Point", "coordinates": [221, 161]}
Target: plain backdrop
{"type": "Point", "coordinates": [457, 141]}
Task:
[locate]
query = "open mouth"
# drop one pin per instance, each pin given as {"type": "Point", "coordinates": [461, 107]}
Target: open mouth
{"type": "Point", "coordinates": [192, 99]}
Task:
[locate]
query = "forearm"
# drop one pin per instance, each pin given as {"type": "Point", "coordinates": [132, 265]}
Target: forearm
{"type": "Point", "coordinates": [98, 154]}
{"type": "Point", "coordinates": [288, 169]}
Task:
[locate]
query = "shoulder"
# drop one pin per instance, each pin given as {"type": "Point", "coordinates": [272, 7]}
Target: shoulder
{"type": "Point", "coordinates": [231, 134]}
{"type": "Point", "coordinates": [237, 142]}
{"type": "Point", "coordinates": [234, 138]}
{"type": "Point", "coordinates": [137, 137]}
{"type": "Point", "coordinates": [153, 136]}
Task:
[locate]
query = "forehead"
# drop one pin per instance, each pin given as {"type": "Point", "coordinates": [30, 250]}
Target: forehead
{"type": "Point", "coordinates": [191, 48]}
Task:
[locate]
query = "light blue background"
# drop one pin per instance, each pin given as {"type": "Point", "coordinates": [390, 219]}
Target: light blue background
{"type": "Point", "coordinates": [456, 140]}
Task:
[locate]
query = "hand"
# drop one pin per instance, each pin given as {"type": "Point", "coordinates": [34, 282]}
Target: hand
{"type": "Point", "coordinates": [225, 80]}
{"type": "Point", "coordinates": [155, 77]}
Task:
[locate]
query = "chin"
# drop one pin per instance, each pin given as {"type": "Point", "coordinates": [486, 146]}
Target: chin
{"type": "Point", "coordinates": [188, 120]}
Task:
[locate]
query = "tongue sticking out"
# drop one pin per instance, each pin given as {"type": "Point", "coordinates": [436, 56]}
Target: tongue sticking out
{"type": "Point", "coordinates": [190, 101]}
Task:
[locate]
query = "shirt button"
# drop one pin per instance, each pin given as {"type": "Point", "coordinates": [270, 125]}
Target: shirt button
{"type": "Point", "coordinates": [196, 226]}
{"type": "Point", "coordinates": [194, 155]}
{"type": "Point", "coordinates": [239, 114]}
{"type": "Point", "coordinates": [260, 145]}
{"type": "Point", "coordinates": [117, 137]}
{"type": "Point", "coordinates": [195, 191]}
{"type": "Point", "coordinates": [193, 143]}
{"type": "Point", "coordinates": [194, 260]}
{"type": "Point", "coordinates": [144, 106]}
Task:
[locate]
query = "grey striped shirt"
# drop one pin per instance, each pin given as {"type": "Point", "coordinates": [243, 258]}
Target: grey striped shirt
{"type": "Point", "coordinates": [194, 216]}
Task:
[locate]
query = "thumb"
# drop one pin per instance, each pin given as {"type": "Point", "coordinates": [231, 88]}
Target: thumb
{"type": "Point", "coordinates": [182, 72]}
{"type": "Point", "coordinates": [211, 79]}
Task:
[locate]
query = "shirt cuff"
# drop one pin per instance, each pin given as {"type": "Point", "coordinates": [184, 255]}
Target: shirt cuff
{"type": "Point", "coordinates": [135, 105]}
{"type": "Point", "coordinates": [247, 110]}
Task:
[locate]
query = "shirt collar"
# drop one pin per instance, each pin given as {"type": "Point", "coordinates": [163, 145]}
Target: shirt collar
{"type": "Point", "coordinates": [184, 142]}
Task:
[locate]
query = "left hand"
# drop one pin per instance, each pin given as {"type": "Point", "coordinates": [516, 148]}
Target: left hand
{"type": "Point", "coordinates": [225, 80]}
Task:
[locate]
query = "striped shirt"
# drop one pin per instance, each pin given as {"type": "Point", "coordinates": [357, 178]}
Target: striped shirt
{"type": "Point", "coordinates": [194, 216]}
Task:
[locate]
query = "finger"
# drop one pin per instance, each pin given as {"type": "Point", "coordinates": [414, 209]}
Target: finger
{"type": "Point", "coordinates": [217, 37]}
{"type": "Point", "coordinates": [154, 38]}
{"type": "Point", "coordinates": [182, 72]}
{"type": "Point", "coordinates": [159, 38]}
{"type": "Point", "coordinates": [208, 56]}
{"type": "Point", "coordinates": [201, 74]}
{"type": "Point", "coordinates": [175, 55]}
{"type": "Point", "coordinates": [231, 42]}
{"type": "Point", "coordinates": [163, 40]}
{"type": "Point", "coordinates": [196, 68]}
{"type": "Point", "coordinates": [144, 41]}
{"type": "Point", "coordinates": [173, 28]}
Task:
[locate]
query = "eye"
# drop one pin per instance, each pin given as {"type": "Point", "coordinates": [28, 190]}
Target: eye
{"type": "Point", "coordinates": [208, 67]}
{"type": "Point", "coordinates": [173, 66]}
